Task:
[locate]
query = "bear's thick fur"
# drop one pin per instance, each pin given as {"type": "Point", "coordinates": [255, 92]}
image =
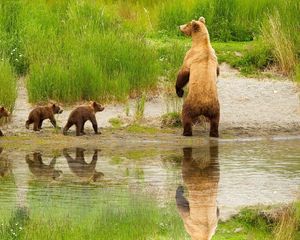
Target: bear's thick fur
{"type": "Point", "coordinates": [39, 114]}
{"type": "Point", "coordinates": [40, 169]}
{"type": "Point", "coordinates": [85, 171]}
{"type": "Point", "coordinates": [82, 114]}
{"type": "Point", "coordinates": [3, 113]}
{"type": "Point", "coordinates": [200, 69]}
{"type": "Point", "coordinates": [200, 173]}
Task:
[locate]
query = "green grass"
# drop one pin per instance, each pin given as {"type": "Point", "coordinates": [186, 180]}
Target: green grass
{"type": "Point", "coordinates": [113, 50]}
{"type": "Point", "coordinates": [249, 57]}
{"type": "Point", "coordinates": [137, 128]}
{"type": "Point", "coordinates": [140, 107]}
{"type": "Point", "coordinates": [250, 223]}
{"type": "Point", "coordinates": [115, 122]}
{"type": "Point", "coordinates": [171, 119]}
{"type": "Point", "coordinates": [8, 85]}
{"type": "Point", "coordinates": [91, 215]}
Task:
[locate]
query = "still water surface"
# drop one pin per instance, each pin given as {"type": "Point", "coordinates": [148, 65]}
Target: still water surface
{"type": "Point", "coordinates": [193, 187]}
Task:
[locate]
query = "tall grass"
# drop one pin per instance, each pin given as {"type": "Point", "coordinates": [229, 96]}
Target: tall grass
{"type": "Point", "coordinates": [287, 226]}
{"type": "Point", "coordinates": [275, 23]}
{"type": "Point", "coordinates": [101, 49]}
{"type": "Point", "coordinates": [7, 85]}
{"type": "Point", "coordinates": [82, 52]}
{"type": "Point", "coordinates": [11, 45]}
{"type": "Point", "coordinates": [281, 32]}
{"type": "Point", "coordinates": [237, 20]}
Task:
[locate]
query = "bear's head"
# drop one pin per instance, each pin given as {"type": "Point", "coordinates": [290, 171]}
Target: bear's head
{"type": "Point", "coordinates": [56, 109]}
{"type": "Point", "coordinates": [4, 112]}
{"type": "Point", "coordinates": [97, 107]}
{"type": "Point", "coordinates": [194, 27]}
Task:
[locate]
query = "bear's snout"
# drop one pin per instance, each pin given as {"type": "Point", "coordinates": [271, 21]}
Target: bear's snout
{"type": "Point", "coordinates": [60, 111]}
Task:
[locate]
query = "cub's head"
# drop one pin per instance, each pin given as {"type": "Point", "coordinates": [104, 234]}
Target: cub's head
{"type": "Point", "coordinates": [194, 27]}
{"type": "Point", "coordinates": [55, 108]}
{"type": "Point", "coordinates": [4, 112]}
{"type": "Point", "coordinates": [97, 107]}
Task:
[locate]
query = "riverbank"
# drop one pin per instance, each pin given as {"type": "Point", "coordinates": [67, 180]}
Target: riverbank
{"type": "Point", "coordinates": [250, 107]}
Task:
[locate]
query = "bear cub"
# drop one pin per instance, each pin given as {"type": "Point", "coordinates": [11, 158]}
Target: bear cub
{"type": "Point", "coordinates": [80, 115]}
{"type": "Point", "coordinates": [3, 113]}
{"type": "Point", "coordinates": [39, 114]}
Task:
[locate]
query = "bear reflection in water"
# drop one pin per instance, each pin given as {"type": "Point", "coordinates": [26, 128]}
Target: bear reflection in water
{"type": "Point", "coordinates": [200, 173]}
{"type": "Point", "coordinates": [82, 169]}
{"type": "Point", "coordinates": [41, 170]}
{"type": "Point", "coordinates": [5, 165]}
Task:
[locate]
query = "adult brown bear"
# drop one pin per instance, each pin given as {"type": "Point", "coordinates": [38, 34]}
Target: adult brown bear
{"type": "Point", "coordinates": [200, 69]}
{"type": "Point", "coordinates": [201, 174]}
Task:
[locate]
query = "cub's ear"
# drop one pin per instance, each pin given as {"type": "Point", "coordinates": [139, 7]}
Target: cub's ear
{"type": "Point", "coordinates": [195, 26]}
{"type": "Point", "coordinates": [53, 105]}
{"type": "Point", "coordinates": [202, 19]}
{"type": "Point", "coordinates": [94, 104]}
{"type": "Point", "coordinates": [2, 109]}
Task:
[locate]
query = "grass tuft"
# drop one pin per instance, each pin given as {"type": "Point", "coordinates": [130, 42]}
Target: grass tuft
{"type": "Point", "coordinates": [8, 85]}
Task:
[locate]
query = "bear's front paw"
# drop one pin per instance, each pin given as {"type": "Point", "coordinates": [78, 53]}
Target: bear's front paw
{"type": "Point", "coordinates": [179, 92]}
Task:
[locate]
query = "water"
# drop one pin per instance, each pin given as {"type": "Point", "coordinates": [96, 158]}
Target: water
{"type": "Point", "coordinates": [180, 188]}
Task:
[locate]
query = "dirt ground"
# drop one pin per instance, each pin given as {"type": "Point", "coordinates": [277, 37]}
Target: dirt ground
{"type": "Point", "coordinates": [249, 107]}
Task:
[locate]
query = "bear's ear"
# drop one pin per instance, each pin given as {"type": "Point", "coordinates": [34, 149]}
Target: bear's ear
{"type": "Point", "coordinates": [94, 104]}
{"type": "Point", "coordinates": [202, 19]}
{"type": "Point", "coordinates": [195, 26]}
{"type": "Point", "coordinates": [2, 109]}
{"type": "Point", "coordinates": [53, 105]}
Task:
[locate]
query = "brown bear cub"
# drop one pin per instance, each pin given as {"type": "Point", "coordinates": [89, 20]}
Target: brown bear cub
{"type": "Point", "coordinates": [39, 114]}
{"type": "Point", "coordinates": [200, 69]}
{"type": "Point", "coordinates": [3, 113]}
{"type": "Point", "coordinates": [82, 114]}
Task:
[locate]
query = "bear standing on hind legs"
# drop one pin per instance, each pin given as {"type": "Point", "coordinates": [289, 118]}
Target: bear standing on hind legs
{"type": "Point", "coordinates": [200, 69]}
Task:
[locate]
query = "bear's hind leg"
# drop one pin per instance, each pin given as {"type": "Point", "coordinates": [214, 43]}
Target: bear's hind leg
{"type": "Point", "coordinates": [40, 124]}
{"type": "Point", "coordinates": [79, 127]}
{"type": "Point", "coordinates": [36, 125]}
{"type": "Point", "coordinates": [82, 130]}
{"type": "Point", "coordinates": [187, 121]}
{"type": "Point", "coordinates": [214, 126]}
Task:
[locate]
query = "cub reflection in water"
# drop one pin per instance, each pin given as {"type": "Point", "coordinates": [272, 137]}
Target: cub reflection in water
{"type": "Point", "coordinates": [85, 171]}
{"type": "Point", "coordinates": [5, 165]}
{"type": "Point", "coordinates": [200, 173]}
{"type": "Point", "coordinates": [41, 170]}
